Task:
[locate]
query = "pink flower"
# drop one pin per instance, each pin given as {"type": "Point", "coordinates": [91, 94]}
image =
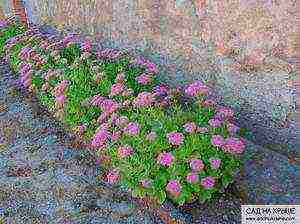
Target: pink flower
{"type": "Point", "coordinates": [234, 145]}
{"type": "Point", "coordinates": [113, 176]}
{"type": "Point", "coordinates": [97, 100]}
{"type": "Point", "coordinates": [143, 99]}
{"type": "Point", "coordinates": [60, 88]}
{"type": "Point", "coordinates": [86, 46]}
{"type": "Point", "coordinates": [103, 159]}
{"type": "Point", "coordinates": [190, 127]}
{"type": "Point", "coordinates": [165, 159]}
{"type": "Point", "coordinates": [215, 123]}
{"type": "Point", "coordinates": [152, 68]}
{"type": "Point", "coordinates": [103, 117]}
{"type": "Point", "coordinates": [146, 183]}
{"type": "Point", "coordinates": [128, 92]}
{"type": "Point", "coordinates": [202, 129]}
{"type": "Point", "coordinates": [124, 151]}
{"type": "Point", "coordinates": [61, 99]}
{"type": "Point", "coordinates": [45, 86]}
{"type": "Point", "coordinates": [113, 118]}
{"type": "Point", "coordinates": [215, 163]}
{"type": "Point", "coordinates": [209, 103]}
{"type": "Point", "coordinates": [116, 135]}
{"type": "Point", "coordinates": [132, 128]}
{"type": "Point", "coordinates": [122, 121]}
{"type": "Point", "coordinates": [208, 182]}
{"type": "Point", "coordinates": [120, 77]}
{"type": "Point", "coordinates": [151, 136]}
{"type": "Point", "coordinates": [126, 104]}
{"type": "Point", "coordinates": [81, 129]}
{"type": "Point", "coordinates": [24, 55]}
{"type": "Point", "coordinates": [174, 188]}
{"type": "Point", "coordinates": [100, 138]}
{"type": "Point", "coordinates": [116, 89]}
{"type": "Point", "coordinates": [175, 138]}
{"type": "Point", "coordinates": [233, 129]}
{"type": "Point", "coordinates": [196, 165]}
{"type": "Point", "coordinates": [27, 82]}
{"type": "Point", "coordinates": [49, 74]}
{"type": "Point", "coordinates": [192, 178]}
{"type": "Point", "coordinates": [217, 140]}
{"type": "Point", "coordinates": [162, 89]}
{"type": "Point", "coordinates": [44, 45]}
{"type": "Point", "coordinates": [224, 113]}
{"type": "Point", "coordinates": [109, 106]}
{"type": "Point", "coordinates": [105, 126]}
{"type": "Point", "coordinates": [143, 79]}
{"type": "Point", "coordinates": [197, 88]}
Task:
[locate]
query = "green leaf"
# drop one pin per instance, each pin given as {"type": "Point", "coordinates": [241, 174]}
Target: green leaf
{"type": "Point", "coordinates": [161, 196]}
{"type": "Point", "coordinates": [227, 179]}
{"type": "Point", "coordinates": [137, 192]}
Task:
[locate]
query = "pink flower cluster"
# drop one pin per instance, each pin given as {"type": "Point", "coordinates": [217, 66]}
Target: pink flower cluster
{"type": "Point", "coordinates": [174, 188]}
{"type": "Point", "coordinates": [11, 42]}
{"type": "Point", "coordinates": [143, 99]}
{"type": "Point", "coordinates": [100, 138]}
{"type": "Point", "coordinates": [124, 151]}
{"type": "Point", "coordinates": [151, 67]}
{"type": "Point", "coordinates": [234, 145]}
{"type": "Point", "coordinates": [3, 23]}
{"type": "Point", "coordinates": [86, 46]}
{"type": "Point", "coordinates": [231, 144]}
{"type": "Point", "coordinates": [44, 45]}
{"type": "Point", "coordinates": [108, 53]}
{"type": "Point", "coordinates": [58, 92]}
{"type": "Point", "coordinates": [215, 163]}
{"type": "Point", "coordinates": [24, 54]}
{"type": "Point", "coordinates": [60, 88]}
{"type": "Point", "coordinates": [97, 100]}
{"type": "Point", "coordinates": [209, 103]}
{"type": "Point", "coordinates": [122, 121]}
{"type": "Point", "coordinates": [143, 79]}
{"type": "Point", "coordinates": [196, 165]}
{"type": "Point", "coordinates": [162, 89]}
{"type": "Point", "coordinates": [232, 128]}
{"type": "Point", "coordinates": [109, 106]}
{"type": "Point", "coordinates": [25, 75]}
{"type": "Point", "coordinates": [217, 140]}
{"type": "Point", "coordinates": [151, 136]}
{"type": "Point", "coordinates": [120, 78]}
{"type": "Point", "coordinates": [61, 100]}
{"type": "Point", "coordinates": [132, 128]}
{"type": "Point", "coordinates": [175, 138]}
{"type": "Point", "coordinates": [116, 135]}
{"type": "Point", "coordinates": [103, 117]}
{"type": "Point", "coordinates": [113, 176]}
{"type": "Point", "coordinates": [197, 88]}
{"type": "Point", "coordinates": [165, 159]}
{"type": "Point", "coordinates": [215, 123]}
{"type": "Point", "coordinates": [190, 127]}
{"type": "Point", "coordinates": [224, 113]}
{"type": "Point", "coordinates": [192, 178]}
{"type": "Point", "coordinates": [116, 89]}
{"type": "Point", "coordinates": [37, 58]}
{"type": "Point", "coordinates": [208, 182]}
{"type": "Point", "coordinates": [70, 38]}
{"type": "Point", "coordinates": [146, 183]}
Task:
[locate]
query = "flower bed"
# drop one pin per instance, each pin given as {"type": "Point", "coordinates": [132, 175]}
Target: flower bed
{"type": "Point", "coordinates": [155, 140]}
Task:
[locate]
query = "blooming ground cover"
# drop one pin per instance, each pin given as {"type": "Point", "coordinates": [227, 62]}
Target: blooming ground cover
{"type": "Point", "coordinates": [156, 140]}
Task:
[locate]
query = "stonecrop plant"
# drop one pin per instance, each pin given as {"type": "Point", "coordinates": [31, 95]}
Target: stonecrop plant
{"type": "Point", "coordinates": [155, 140]}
